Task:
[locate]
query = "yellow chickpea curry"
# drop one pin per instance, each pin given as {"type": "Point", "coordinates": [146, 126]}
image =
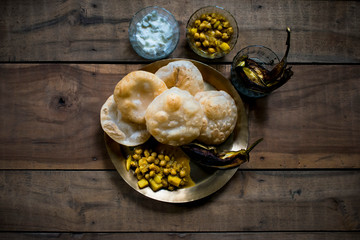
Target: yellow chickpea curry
{"type": "Point", "coordinates": [211, 33]}
{"type": "Point", "coordinates": [165, 167]}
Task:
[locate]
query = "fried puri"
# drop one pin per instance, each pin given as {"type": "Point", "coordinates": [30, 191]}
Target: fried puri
{"type": "Point", "coordinates": [182, 74]}
{"type": "Point", "coordinates": [135, 92]}
{"type": "Point", "coordinates": [220, 116]}
{"type": "Point", "coordinates": [174, 117]}
{"type": "Point", "coordinates": [119, 129]}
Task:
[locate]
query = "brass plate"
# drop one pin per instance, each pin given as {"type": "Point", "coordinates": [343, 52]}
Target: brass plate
{"type": "Point", "coordinates": [207, 181]}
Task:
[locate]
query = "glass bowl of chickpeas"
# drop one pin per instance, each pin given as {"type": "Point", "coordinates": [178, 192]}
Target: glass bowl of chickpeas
{"type": "Point", "coordinates": [212, 32]}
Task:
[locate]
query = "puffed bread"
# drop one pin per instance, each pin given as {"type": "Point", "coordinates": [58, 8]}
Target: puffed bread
{"type": "Point", "coordinates": [174, 117]}
{"type": "Point", "coordinates": [120, 130]}
{"type": "Point", "coordinates": [221, 115]}
{"type": "Point", "coordinates": [182, 74]}
{"type": "Point", "coordinates": [134, 92]}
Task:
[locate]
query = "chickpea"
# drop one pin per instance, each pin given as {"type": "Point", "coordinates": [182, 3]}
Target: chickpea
{"type": "Point", "coordinates": [157, 161]}
{"type": "Point", "coordinates": [198, 44]}
{"type": "Point", "coordinates": [173, 172]}
{"type": "Point", "coordinates": [213, 21]}
{"type": "Point", "coordinates": [166, 171]}
{"type": "Point", "coordinates": [162, 163]}
{"type": "Point", "coordinates": [161, 156]}
{"type": "Point", "coordinates": [138, 151]}
{"type": "Point", "coordinates": [136, 156]}
{"type": "Point", "coordinates": [196, 36]}
{"type": "Point", "coordinates": [154, 154]}
{"type": "Point", "coordinates": [208, 18]}
{"type": "Point", "coordinates": [150, 159]}
{"type": "Point", "coordinates": [220, 27]}
{"type": "Point", "coordinates": [142, 161]}
{"type": "Point", "coordinates": [152, 166]}
{"type": "Point", "coordinates": [212, 41]}
{"type": "Point", "coordinates": [205, 43]}
{"type": "Point", "coordinates": [230, 30]}
{"type": "Point", "coordinates": [225, 36]}
{"type": "Point", "coordinates": [226, 24]}
{"type": "Point", "coordinates": [224, 46]}
{"type": "Point", "coordinates": [217, 24]}
{"type": "Point", "coordinates": [152, 173]}
{"type": "Point", "coordinates": [167, 158]}
{"type": "Point", "coordinates": [146, 153]}
{"type": "Point", "coordinates": [143, 169]}
{"type": "Point", "coordinates": [218, 34]}
{"type": "Point", "coordinates": [202, 26]}
{"type": "Point", "coordinates": [147, 176]}
{"type": "Point", "coordinates": [203, 16]}
{"type": "Point", "coordinates": [197, 23]}
{"type": "Point", "coordinates": [182, 173]}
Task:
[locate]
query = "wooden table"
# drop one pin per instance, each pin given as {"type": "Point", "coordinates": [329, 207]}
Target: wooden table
{"type": "Point", "coordinates": [60, 60]}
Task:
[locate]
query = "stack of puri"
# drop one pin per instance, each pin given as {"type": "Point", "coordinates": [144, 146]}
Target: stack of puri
{"type": "Point", "coordinates": [171, 105]}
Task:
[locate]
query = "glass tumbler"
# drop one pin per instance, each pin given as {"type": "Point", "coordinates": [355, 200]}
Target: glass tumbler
{"type": "Point", "coordinates": [263, 56]}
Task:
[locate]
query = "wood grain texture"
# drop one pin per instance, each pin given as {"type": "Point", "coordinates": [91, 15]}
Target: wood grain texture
{"type": "Point", "coordinates": [50, 117]}
{"type": "Point", "coordinates": [57, 181]}
{"type": "Point", "coordinates": [73, 30]}
{"type": "Point", "coordinates": [185, 236]}
{"type": "Point", "coordinates": [93, 201]}
{"type": "Point", "coordinates": [310, 122]}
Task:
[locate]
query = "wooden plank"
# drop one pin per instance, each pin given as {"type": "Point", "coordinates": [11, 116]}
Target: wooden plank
{"type": "Point", "coordinates": [50, 117]}
{"type": "Point", "coordinates": [93, 201]}
{"type": "Point", "coordinates": [311, 122]}
{"type": "Point", "coordinates": [185, 236]}
{"type": "Point", "coordinates": [323, 31]}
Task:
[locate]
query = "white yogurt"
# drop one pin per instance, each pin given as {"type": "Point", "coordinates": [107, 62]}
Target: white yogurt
{"type": "Point", "coordinates": [154, 33]}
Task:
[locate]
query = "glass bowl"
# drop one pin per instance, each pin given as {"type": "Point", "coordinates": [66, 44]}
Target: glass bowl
{"type": "Point", "coordinates": [154, 33]}
{"type": "Point", "coordinates": [215, 13]}
{"type": "Point", "coordinates": [262, 55]}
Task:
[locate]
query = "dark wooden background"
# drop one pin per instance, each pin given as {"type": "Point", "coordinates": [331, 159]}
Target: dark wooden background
{"type": "Point", "coordinates": [60, 60]}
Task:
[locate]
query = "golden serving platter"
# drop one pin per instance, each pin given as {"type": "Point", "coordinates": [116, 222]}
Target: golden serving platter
{"type": "Point", "coordinates": [207, 181]}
